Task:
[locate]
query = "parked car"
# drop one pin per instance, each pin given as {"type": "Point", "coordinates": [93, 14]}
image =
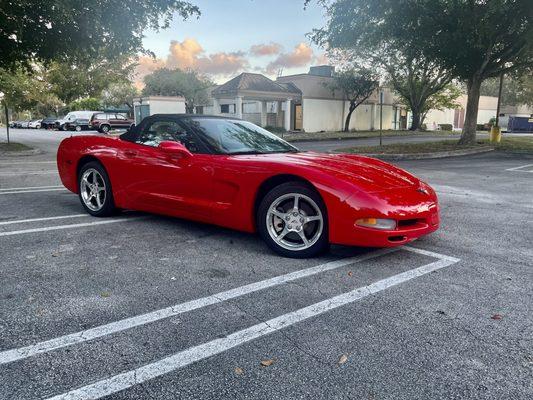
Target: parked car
{"type": "Point", "coordinates": [13, 124]}
{"type": "Point", "coordinates": [49, 122]}
{"type": "Point", "coordinates": [77, 125]}
{"type": "Point", "coordinates": [103, 122]}
{"type": "Point", "coordinates": [235, 174]}
{"type": "Point", "coordinates": [25, 124]}
{"type": "Point", "coordinates": [35, 124]}
{"type": "Point", "coordinates": [71, 116]}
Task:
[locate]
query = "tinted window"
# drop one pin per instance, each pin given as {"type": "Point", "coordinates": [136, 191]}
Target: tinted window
{"type": "Point", "coordinates": [120, 117]}
{"type": "Point", "coordinates": [226, 136]}
{"type": "Point", "coordinates": [100, 116]}
{"type": "Point", "coordinates": [158, 131]}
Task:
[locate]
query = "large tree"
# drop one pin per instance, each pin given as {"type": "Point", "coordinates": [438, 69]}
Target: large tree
{"type": "Point", "coordinates": [72, 81]}
{"type": "Point", "coordinates": [120, 94]}
{"type": "Point", "coordinates": [76, 30]}
{"type": "Point", "coordinates": [175, 82]}
{"type": "Point", "coordinates": [517, 88]}
{"type": "Point", "coordinates": [417, 81]}
{"type": "Point", "coordinates": [474, 39]}
{"type": "Point", "coordinates": [356, 84]}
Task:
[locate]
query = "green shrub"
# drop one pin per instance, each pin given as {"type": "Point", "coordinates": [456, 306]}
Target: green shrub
{"type": "Point", "coordinates": [445, 127]}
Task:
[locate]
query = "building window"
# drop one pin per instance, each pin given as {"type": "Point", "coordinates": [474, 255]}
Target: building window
{"type": "Point", "coordinates": [227, 108]}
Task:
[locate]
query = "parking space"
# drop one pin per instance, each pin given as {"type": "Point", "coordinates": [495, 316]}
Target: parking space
{"type": "Point", "coordinates": [141, 306]}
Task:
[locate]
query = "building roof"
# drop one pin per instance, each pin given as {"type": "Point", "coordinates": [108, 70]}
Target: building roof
{"type": "Point", "coordinates": [254, 82]}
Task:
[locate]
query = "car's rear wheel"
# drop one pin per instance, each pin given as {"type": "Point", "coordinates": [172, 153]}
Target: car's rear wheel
{"type": "Point", "coordinates": [78, 128]}
{"type": "Point", "coordinates": [104, 128]}
{"type": "Point", "coordinates": [292, 220]}
{"type": "Point", "coordinates": [95, 194]}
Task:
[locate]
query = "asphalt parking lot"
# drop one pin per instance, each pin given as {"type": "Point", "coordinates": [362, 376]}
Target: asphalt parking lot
{"type": "Point", "coordinates": [148, 307]}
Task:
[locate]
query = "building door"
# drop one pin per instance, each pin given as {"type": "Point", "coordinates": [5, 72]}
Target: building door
{"type": "Point", "coordinates": [298, 117]}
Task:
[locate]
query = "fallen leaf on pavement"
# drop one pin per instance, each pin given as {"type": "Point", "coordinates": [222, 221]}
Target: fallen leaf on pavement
{"type": "Point", "coordinates": [350, 273]}
{"type": "Point", "coordinates": [343, 359]}
{"type": "Point", "coordinates": [496, 316]}
{"type": "Point", "coordinates": [267, 363]}
{"type": "Point", "coordinates": [238, 371]}
{"type": "Point", "coordinates": [106, 294]}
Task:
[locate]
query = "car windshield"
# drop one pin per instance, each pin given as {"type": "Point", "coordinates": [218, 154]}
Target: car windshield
{"type": "Point", "coordinates": [225, 136]}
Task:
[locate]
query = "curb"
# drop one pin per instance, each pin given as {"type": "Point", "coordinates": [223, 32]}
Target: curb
{"type": "Point", "coordinates": [340, 139]}
{"type": "Point", "coordinates": [422, 156]}
{"type": "Point", "coordinates": [31, 152]}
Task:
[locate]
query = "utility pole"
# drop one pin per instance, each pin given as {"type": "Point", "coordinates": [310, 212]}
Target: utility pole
{"type": "Point", "coordinates": [499, 100]}
{"type": "Point", "coordinates": [381, 117]}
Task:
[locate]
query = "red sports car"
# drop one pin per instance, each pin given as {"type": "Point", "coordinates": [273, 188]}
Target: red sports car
{"type": "Point", "coordinates": [235, 174]}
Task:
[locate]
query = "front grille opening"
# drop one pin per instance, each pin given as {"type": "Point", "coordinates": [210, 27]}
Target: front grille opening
{"type": "Point", "coordinates": [409, 222]}
{"type": "Point", "coordinates": [397, 238]}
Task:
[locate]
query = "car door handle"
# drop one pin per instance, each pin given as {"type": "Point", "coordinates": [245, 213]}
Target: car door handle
{"type": "Point", "coordinates": [130, 153]}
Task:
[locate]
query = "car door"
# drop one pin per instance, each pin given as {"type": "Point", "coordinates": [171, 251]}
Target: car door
{"type": "Point", "coordinates": [155, 181]}
{"type": "Point", "coordinates": [121, 121]}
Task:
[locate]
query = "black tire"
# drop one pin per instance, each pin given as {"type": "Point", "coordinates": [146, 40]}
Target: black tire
{"type": "Point", "coordinates": [104, 128]}
{"type": "Point", "coordinates": [108, 205]}
{"type": "Point", "coordinates": [321, 243]}
{"type": "Point", "coordinates": [78, 128]}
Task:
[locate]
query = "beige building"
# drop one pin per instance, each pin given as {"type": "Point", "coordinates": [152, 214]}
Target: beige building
{"type": "Point", "coordinates": [302, 102]}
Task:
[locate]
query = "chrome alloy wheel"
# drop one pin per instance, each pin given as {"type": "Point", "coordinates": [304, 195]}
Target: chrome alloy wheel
{"type": "Point", "coordinates": [93, 189]}
{"type": "Point", "coordinates": [294, 221]}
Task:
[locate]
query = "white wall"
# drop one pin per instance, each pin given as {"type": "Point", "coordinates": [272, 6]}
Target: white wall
{"type": "Point", "coordinates": [167, 107]}
{"type": "Point", "coordinates": [436, 117]}
{"type": "Point", "coordinates": [322, 115]}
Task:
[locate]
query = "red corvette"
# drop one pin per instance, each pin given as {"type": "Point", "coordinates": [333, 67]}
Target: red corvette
{"type": "Point", "coordinates": [235, 174]}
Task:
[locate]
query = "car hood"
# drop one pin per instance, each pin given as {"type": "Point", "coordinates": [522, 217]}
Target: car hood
{"type": "Point", "coordinates": [368, 174]}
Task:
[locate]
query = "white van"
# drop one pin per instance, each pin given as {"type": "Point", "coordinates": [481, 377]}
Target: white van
{"type": "Point", "coordinates": [74, 115]}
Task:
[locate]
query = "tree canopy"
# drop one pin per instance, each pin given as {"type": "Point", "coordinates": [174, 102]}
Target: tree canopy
{"type": "Point", "coordinates": [175, 82]}
{"type": "Point", "coordinates": [76, 30]}
{"type": "Point", "coordinates": [474, 39]}
{"type": "Point", "coordinates": [356, 84]}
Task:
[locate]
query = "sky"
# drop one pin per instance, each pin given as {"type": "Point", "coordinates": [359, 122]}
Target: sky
{"type": "Point", "coordinates": [232, 36]}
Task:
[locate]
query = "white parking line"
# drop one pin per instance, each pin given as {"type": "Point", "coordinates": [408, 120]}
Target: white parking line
{"type": "Point", "coordinates": [30, 187]}
{"type": "Point", "coordinates": [194, 354]}
{"type": "Point", "coordinates": [61, 227]}
{"type": "Point", "coordinates": [143, 319]}
{"type": "Point", "coordinates": [34, 191]}
{"type": "Point", "coordinates": [23, 221]}
{"type": "Point", "coordinates": [27, 162]}
{"type": "Point", "coordinates": [521, 168]}
{"type": "Point", "coordinates": [28, 173]}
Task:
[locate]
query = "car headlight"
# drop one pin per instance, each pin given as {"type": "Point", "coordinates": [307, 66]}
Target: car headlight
{"type": "Point", "coordinates": [377, 223]}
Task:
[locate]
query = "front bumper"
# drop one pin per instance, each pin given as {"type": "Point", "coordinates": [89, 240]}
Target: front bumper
{"type": "Point", "coordinates": [416, 214]}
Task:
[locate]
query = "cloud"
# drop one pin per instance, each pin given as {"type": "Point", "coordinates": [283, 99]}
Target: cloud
{"type": "Point", "coordinates": [322, 59]}
{"type": "Point", "coordinates": [190, 54]}
{"type": "Point", "coordinates": [301, 56]}
{"type": "Point", "coordinates": [266, 49]}
{"type": "Point", "coordinates": [146, 65]}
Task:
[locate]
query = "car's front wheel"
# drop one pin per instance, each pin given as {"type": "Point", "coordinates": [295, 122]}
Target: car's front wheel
{"type": "Point", "coordinates": [95, 194]}
{"type": "Point", "coordinates": [292, 220]}
{"type": "Point", "coordinates": [104, 128]}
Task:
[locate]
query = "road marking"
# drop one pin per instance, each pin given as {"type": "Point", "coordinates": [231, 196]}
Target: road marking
{"type": "Point", "coordinates": [33, 191]}
{"type": "Point", "coordinates": [71, 226]}
{"type": "Point", "coordinates": [31, 187]}
{"type": "Point", "coordinates": [27, 173]}
{"type": "Point", "coordinates": [23, 221]}
{"type": "Point", "coordinates": [153, 316]}
{"type": "Point", "coordinates": [521, 168]}
{"type": "Point", "coordinates": [28, 162]}
{"type": "Point", "coordinates": [194, 354]}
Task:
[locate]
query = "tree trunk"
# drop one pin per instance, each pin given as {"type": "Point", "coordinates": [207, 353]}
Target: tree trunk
{"type": "Point", "coordinates": [468, 136]}
{"type": "Point", "coordinates": [348, 117]}
{"type": "Point", "coordinates": [189, 108]}
{"type": "Point", "coordinates": [415, 125]}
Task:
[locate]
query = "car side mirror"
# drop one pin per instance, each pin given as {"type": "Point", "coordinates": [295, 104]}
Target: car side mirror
{"type": "Point", "coordinates": [174, 148]}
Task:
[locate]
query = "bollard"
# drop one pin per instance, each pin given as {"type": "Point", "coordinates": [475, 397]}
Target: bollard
{"type": "Point", "coordinates": [495, 134]}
